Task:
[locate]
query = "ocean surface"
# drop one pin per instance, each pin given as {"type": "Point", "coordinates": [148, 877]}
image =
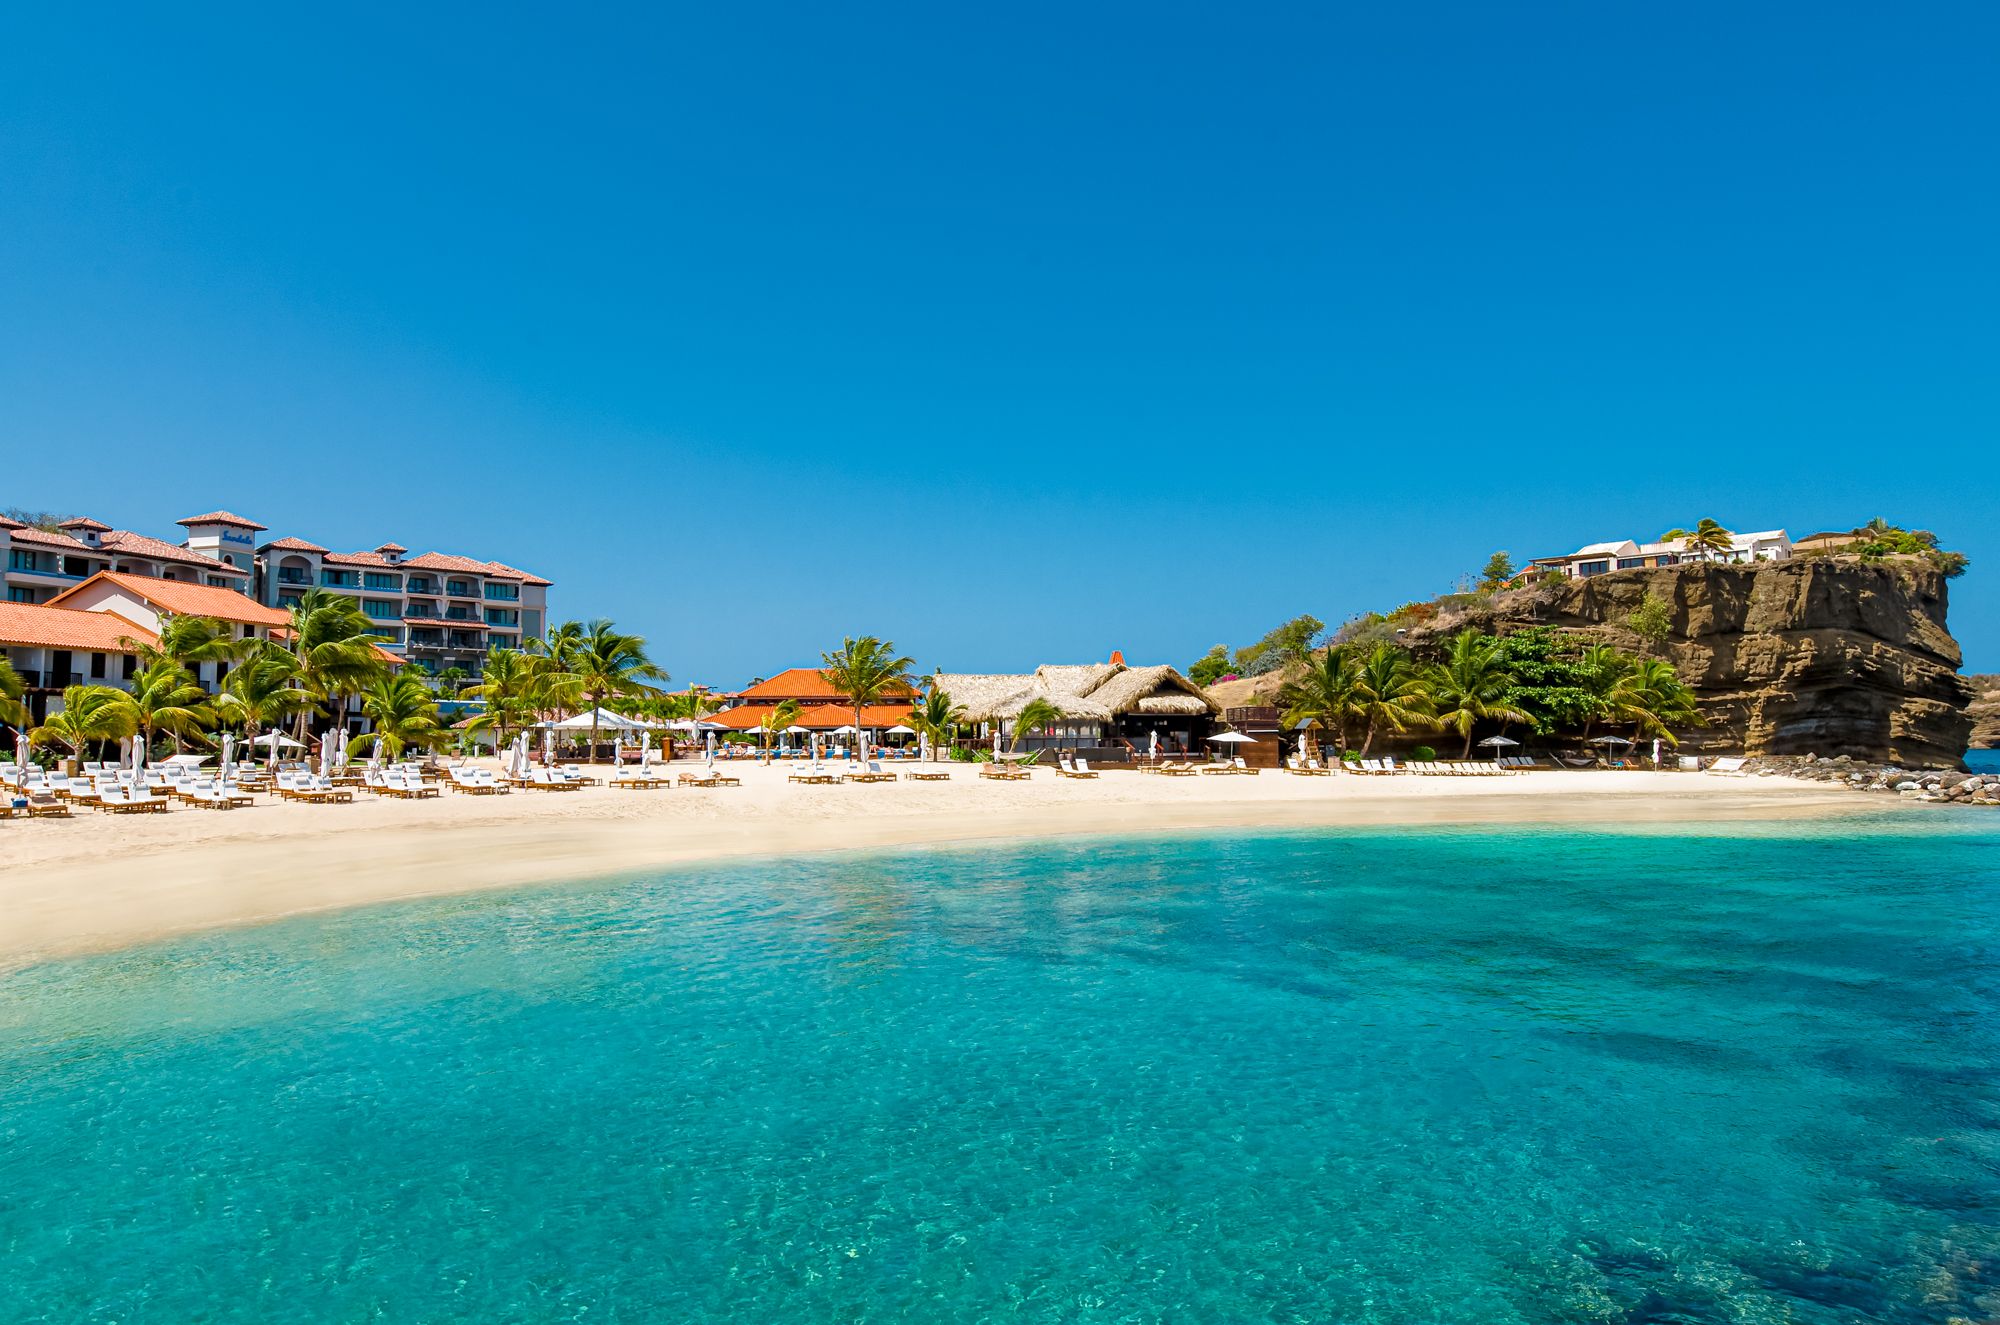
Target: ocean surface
{"type": "Point", "coordinates": [1742, 1075]}
{"type": "Point", "coordinates": [1982, 761]}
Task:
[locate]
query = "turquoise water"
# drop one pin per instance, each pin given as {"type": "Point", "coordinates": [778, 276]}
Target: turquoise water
{"type": "Point", "coordinates": [1747, 1075]}
{"type": "Point", "coordinates": [1982, 761]}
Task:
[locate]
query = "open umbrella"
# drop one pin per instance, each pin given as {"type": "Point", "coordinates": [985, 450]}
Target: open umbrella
{"type": "Point", "coordinates": [1497, 741]}
{"type": "Point", "coordinates": [1233, 738]}
{"type": "Point", "coordinates": [1609, 740]}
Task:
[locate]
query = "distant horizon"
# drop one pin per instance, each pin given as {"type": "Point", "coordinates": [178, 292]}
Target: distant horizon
{"type": "Point", "coordinates": [1140, 328]}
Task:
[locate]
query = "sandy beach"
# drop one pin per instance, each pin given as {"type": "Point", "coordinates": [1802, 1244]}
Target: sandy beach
{"type": "Point", "coordinates": [98, 881]}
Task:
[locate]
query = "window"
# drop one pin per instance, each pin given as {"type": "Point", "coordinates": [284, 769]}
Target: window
{"type": "Point", "coordinates": [288, 600]}
{"type": "Point", "coordinates": [1593, 567]}
{"type": "Point", "coordinates": [20, 559]}
{"type": "Point", "coordinates": [76, 566]}
{"type": "Point", "coordinates": [339, 579]}
{"type": "Point", "coordinates": [458, 588]}
{"type": "Point", "coordinates": [502, 616]}
{"type": "Point", "coordinates": [20, 595]}
{"type": "Point", "coordinates": [128, 667]}
{"type": "Point", "coordinates": [503, 592]}
{"type": "Point", "coordinates": [375, 579]}
{"type": "Point", "coordinates": [422, 584]}
{"type": "Point", "coordinates": [97, 667]}
{"type": "Point", "coordinates": [218, 581]}
{"type": "Point", "coordinates": [380, 609]}
{"type": "Point", "coordinates": [1628, 563]}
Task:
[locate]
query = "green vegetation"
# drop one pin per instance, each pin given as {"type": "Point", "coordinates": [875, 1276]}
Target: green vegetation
{"type": "Point", "coordinates": [1535, 678]}
{"type": "Point", "coordinates": [90, 715]}
{"type": "Point", "coordinates": [404, 714]}
{"type": "Point", "coordinates": [1499, 569]}
{"type": "Point", "coordinates": [1879, 540]}
{"type": "Point", "coordinates": [11, 689]}
{"type": "Point", "coordinates": [1652, 621]}
{"type": "Point", "coordinates": [1036, 713]}
{"type": "Point", "coordinates": [166, 699]}
{"type": "Point", "coordinates": [935, 716]}
{"type": "Point", "coordinates": [1210, 667]}
{"type": "Point", "coordinates": [867, 671]}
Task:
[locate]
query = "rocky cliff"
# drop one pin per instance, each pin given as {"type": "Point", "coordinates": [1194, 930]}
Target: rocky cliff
{"type": "Point", "coordinates": [1820, 655]}
{"type": "Point", "coordinates": [1985, 712]}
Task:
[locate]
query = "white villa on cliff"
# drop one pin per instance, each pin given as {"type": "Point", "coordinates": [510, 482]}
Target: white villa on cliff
{"type": "Point", "coordinates": [1625, 554]}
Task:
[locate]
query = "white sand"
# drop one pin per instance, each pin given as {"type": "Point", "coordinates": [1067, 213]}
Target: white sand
{"type": "Point", "coordinates": [98, 881]}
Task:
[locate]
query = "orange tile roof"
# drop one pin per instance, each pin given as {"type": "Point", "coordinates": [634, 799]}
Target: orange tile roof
{"type": "Point", "coordinates": [30, 534]}
{"type": "Point", "coordinates": [527, 577]}
{"type": "Point", "coordinates": [798, 683]}
{"type": "Point", "coordinates": [356, 559]}
{"type": "Point", "coordinates": [6, 523]}
{"type": "Point", "coordinates": [820, 717]}
{"type": "Point", "coordinates": [463, 565]}
{"type": "Point", "coordinates": [185, 599]}
{"type": "Point", "coordinates": [84, 522]}
{"type": "Point", "coordinates": [291, 545]}
{"type": "Point", "coordinates": [138, 545]}
{"type": "Point", "coordinates": [45, 627]}
{"type": "Point", "coordinates": [221, 517]}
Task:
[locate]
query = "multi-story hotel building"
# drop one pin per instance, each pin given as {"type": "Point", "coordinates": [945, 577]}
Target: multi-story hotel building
{"type": "Point", "coordinates": [438, 609]}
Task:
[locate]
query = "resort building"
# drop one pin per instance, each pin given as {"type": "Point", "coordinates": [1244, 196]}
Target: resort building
{"type": "Point", "coordinates": [1110, 710]}
{"type": "Point", "coordinates": [821, 707]}
{"type": "Point", "coordinates": [53, 647]}
{"type": "Point", "coordinates": [39, 564]}
{"type": "Point", "coordinates": [1595, 559]}
{"type": "Point", "coordinates": [437, 608]}
{"type": "Point", "coordinates": [89, 634]}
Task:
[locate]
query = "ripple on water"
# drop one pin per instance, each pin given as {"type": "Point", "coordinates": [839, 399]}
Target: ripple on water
{"type": "Point", "coordinates": [1464, 1075]}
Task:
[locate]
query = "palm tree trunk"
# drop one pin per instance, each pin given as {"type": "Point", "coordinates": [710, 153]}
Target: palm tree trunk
{"type": "Point", "coordinates": [1468, 744]}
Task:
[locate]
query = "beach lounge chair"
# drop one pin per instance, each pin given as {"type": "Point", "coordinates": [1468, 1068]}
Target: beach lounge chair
{"type": "Point", "coordinates": [811, 774]}
{"type": "Point", "coordinates": [1177, 770]}
{"type": "Point", "coordinates": [927, 775]}
{"type": "Point", "coordinates": [549, 779]}
{"type": "Point", "coordinates": [129, 801]}
{"type": "Point", "coordinates": [1065, 767]}
{"type": "Point", "coordinates": [46, 805]}
{"type": "Point", "coordinates": [636, 779]}
{"type": "Point", "coordinates": [208, 796]}
{"type": "Point", "coordinates": [1729, 764]}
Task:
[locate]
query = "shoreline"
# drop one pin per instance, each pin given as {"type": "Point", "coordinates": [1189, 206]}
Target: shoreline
{"type": "Point", "coordinates": [97, 883]}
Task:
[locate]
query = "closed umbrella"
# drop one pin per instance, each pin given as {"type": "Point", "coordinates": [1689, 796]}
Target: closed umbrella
{"type": "Point", "coordinates": [548, 748]}
{"type": "Point", "coordinates": [228, 749]}
{"type": "Point", "coordinates": [21, 751]}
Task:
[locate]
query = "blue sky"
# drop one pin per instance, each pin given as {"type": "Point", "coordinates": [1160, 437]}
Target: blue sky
{"type": "Point", "coordinates": [1015, 334]}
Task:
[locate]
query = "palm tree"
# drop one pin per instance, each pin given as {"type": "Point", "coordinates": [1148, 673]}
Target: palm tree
{"type": "Point", "coordinates": [404, 713]}
{"type": "Point", "coordinates": [12, 710]}
{"type": "Point", "coordinates": [1710, 540]}
{"type": "Point", "coordinates": [190, 641]}
{"type": "Point", "coordinates": [450, 679]}
{"type": "Point", "coordinates": [934, 715]}
{"type": "Point", "coordinates": [1470, 686]}
{"type": "Point", "coordinates": [1652, 697]}
{"type": "Point", "coordinates": [89, 713]}
{"type": "Point", "coordinates": [1600, 666]}
{"type": "Point", "coordinates": [780, 717]}
{"type": "Point", "coordinates": [261, 692]}
{"type": "Point", "coordinates": [506, 684]}
{"type": "Point", "coordinates": [1391, 692]}
{"type": "Point", "coordinates": [335, 652]}
{"type": "Point", "coordinates": [1034, 714]}
{"type": "Point", "coordinates": [1327, 694]}
{"type": "Point", "coordinates": [166, 698]}
{"type": "Point", "coordinates": [606, 663]}
{"type": "Point", "coordinates": [867, 671]}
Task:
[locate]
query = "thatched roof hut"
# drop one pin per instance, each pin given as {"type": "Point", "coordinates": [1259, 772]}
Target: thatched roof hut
{"type": "Point", "coordinates": [1089, 692]}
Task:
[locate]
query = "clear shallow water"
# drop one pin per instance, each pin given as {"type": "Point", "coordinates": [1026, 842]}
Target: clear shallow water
{"type": "Point", "coordinates": [1464, 1076]}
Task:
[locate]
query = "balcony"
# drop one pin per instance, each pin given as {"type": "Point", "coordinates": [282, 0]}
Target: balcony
{"type": "Point", "coordinates": [301, 578]}
{"type": "Point", "coordinates": [340, 579]}
{"type": "Point", "coordinates": [460, 589]}
{"type": "Point", "coordinates": [503, 593]}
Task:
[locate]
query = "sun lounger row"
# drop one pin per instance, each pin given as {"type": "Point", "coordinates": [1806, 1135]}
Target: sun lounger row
{"type": "Point", "coordinates": [1426, 767]}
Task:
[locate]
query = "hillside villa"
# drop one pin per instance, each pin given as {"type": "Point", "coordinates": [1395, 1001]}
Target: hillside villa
{"type": "Point", "coordinates": [1602, 558]}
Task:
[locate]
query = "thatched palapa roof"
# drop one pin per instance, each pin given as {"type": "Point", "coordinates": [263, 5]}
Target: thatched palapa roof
{"type": "Point", "coordinates": [1092, 692]}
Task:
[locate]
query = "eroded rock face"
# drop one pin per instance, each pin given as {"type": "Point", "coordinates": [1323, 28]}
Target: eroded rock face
{"type": "Point", "coordinates": [1985, 712]}
{"type": "Point", "coordinates": [1797, 657]}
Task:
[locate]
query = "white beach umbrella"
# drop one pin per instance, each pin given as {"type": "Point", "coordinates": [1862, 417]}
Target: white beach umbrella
{"type": "Point", "coordinates": [923, 747]}
{"type": "Point", "coordinates": [21, 750]}
{"type": "Point", "coordinates": [228, 751]}
{"type": "Point", "coordinates": [548, 747]}
{"type": "Point", "coordinates": [1153, 742]}
{"type": "Point", "coordinates": [1609, 740]}
{"type": "Point", "coordinates": [1497, 741]}
{"type": "Point", "coordinates": [1656, 752]}
{"type": "Point", "coordinates": [1233, 738]}
{"type": "Point", "coordinates": [341, 756]}
{"type": "Point", "coordinates": [645, 750]}
{"type": "Point", "coordinates": [900, 730]}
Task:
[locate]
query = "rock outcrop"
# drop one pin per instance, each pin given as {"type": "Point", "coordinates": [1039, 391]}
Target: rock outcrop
{"type": "Point", "coordinates": [1819, 656]}
{"type": "Point", "coordinates": [1985, 712]}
